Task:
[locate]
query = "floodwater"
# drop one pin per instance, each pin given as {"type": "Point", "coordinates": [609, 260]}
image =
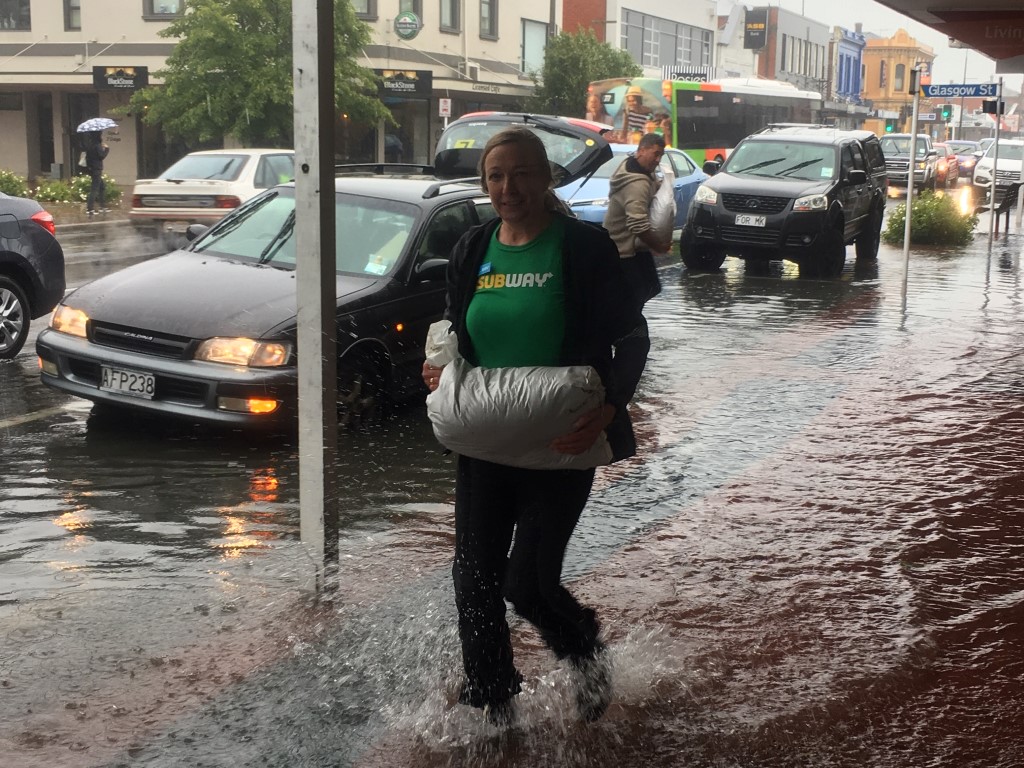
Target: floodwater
{"type": "Point", "coordinates": [816, 560]}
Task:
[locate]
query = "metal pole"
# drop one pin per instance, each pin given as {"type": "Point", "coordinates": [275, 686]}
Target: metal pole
{"type": "Point", "coordinates": [960, 122]}
{"type": "Point", "coordinates": [995, 165]}
{"type": "Point", "coordinates": [915, 75]}
{"type": "Point", "coordinates": [313, 75]}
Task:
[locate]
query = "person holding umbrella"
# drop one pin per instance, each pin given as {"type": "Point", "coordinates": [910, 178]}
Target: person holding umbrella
{"type": "Point", "coordinates": [95, 152]}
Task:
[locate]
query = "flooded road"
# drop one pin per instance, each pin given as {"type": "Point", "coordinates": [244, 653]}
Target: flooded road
{"type": "Point", "coordinates": [816, 560]}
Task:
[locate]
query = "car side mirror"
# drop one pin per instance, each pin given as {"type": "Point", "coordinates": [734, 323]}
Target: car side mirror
{"type": "Point", "coordinates": [711, 167]}
{"type": "Point", "coordinates": [857, 176]}
{"type": "Point", "coordinates": [933, 153]}
{"type": "Point", "coordinates": [195, 230]}
{"type": "Point", "coordinates": [432, 269]}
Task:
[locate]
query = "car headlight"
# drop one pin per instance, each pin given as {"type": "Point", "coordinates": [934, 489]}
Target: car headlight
{"type": "Point", "coordinates": [921, 165]}
{"type": "Point", "coordinates": [256, 354]}
{"type": "Point", "coordinates": [705, 195]}
{"type": "Point", "coordinates": [69, 320]}
{"type": "Point", "coordinates": [811, 203]}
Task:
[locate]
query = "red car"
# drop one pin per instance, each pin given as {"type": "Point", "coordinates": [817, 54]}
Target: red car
{"type": "Point", "coordinates": [947, 169]}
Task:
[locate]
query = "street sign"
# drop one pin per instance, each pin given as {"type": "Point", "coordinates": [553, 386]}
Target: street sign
{"type": "Point", "coordinates": [444, 107]}
{"type": "Point", "coordinates": [926, 117]}
{"type": "Point", "coordinates": [954, 90]}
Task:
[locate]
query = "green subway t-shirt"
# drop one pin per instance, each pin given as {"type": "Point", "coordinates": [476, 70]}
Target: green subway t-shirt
{"type": "Point", "coordinates": [517, 314]}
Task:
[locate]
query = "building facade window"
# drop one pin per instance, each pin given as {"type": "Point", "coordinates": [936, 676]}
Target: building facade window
{"type": "Point", "coordinates": [657, 42]}
{"type": "Point", "coordinates": [365, 9]}
{"type": "Point", "coordinates": [898, 76]}
{"type": "Point", "coordinates": [411, 6]}
{"type": "Point", "coordinates": [72, 14]}
{"type": "Point", "coordinates": [162, 8]}
{"type": "Point", "coordinates": [535, 40]}
{"type": "Point", "coordinates": [15, 14]}
{"type": "Point", "coordinates": [489, 19]}
{"type": "Point", "coordinates": [450, 21]}
{"type": "Point", "coordinates": [883, 75]}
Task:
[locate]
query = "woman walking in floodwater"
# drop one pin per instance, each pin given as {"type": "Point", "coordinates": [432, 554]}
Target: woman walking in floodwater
{"type": "Point", "coordinates": [572, 318]}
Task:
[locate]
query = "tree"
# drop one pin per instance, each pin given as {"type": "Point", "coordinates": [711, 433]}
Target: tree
{"type": "Point", "coordinates": [231, 73]}
{"type": "Point", "coordinates": [571, 62]}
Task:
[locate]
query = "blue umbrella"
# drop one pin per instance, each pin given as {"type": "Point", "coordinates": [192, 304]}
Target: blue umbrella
{"type": "Point", "coordinates": [96, 124]}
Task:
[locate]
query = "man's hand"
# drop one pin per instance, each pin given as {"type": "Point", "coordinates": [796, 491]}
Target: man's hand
{"type": "Point", "coordinates": [585, 431]}
{"type": "Point", "coordinates": [431, 375]}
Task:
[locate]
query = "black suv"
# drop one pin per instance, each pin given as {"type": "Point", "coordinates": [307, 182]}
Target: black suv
{"type": "Point", "coordinates": [208, 333]}
{"type": "Point", "coordinates": [795, 192]}
{"type": "Point", "coordinates": [31, 270]}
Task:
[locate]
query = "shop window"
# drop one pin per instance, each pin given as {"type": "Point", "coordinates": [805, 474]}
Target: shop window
{"type": "Point", "coordinates": [15, 14]}
{"type": "Point", "coordinates": [365, 9]}
{"type": "Point", "coordinates": [489, 19]}
{"type": "Point", "coordinates": [72, 14]}
{"type": "Point", "coordinates": [162, 8]}
{"type": "Point", "coordinates": [450, 21]}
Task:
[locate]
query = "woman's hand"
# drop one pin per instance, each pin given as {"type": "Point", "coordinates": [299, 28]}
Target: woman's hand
{"type": "Point", "coordinates": [585, 431]}
{"type": "Point", "coordinates": [431, 375]}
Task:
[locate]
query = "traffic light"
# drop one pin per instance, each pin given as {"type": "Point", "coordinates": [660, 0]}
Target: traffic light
{"type": "Point", "coordinates": [946, 112]}
{"type": "Point", "coordinates": [890, 125]}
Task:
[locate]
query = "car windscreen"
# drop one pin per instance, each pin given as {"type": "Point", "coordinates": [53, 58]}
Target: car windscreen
{"type": "Point", "coordinates": [562, 150]}
{"type": "Point", "coordinates": [1006, 151]}
{"type": "Point", "coordinates": [216, 167]}
{"type": "Point", "coordinates": [783, 159]}
{"type": "Point", "coordinates": [901, 146]}
{"type": "Point", "coordinates": [372, 233]}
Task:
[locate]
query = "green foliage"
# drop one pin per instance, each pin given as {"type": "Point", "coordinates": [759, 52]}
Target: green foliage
{"type": "Point", "coordinates": [571, 62]}
{"type": "Point", "coordinates": [231, 73]}
{"type": "Point", "coordinates": [934, 220]}
{"type": "Point", "coordinates": [74, 191]}
{"type": "Point", "coordinates": [13, 184]}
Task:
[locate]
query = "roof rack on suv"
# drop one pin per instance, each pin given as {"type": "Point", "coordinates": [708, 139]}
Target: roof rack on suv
{"type": "Point", "coordinates": [435, 189]}
{"type": "Point", "coordinates": [771, 127]}
{"type": "Point", "coordinates": [383, 168]}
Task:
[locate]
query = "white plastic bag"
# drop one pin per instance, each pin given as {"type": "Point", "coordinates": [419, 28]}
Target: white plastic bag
{"type": "Point", "coordinates": [662, 213]}
{"type": "Point", "coordinates": [511, 415]}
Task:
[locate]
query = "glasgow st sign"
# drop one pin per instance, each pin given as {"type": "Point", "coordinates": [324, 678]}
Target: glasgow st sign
{"type": "Point", "coordinates": [963, 90]}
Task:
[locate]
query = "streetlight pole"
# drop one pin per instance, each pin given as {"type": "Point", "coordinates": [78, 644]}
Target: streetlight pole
{"type": "Point", "coordinates": [960, 122]}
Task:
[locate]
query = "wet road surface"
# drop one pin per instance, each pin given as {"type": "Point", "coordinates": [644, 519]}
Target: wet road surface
{"type": "Point", "coordinates": [816, 560]}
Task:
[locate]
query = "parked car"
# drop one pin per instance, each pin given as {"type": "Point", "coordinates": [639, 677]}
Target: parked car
{"type": "Point", "coordinates": [1011, 152]}
{"type": "Point", "coordinates": [203, 187]}
{"type": "Point", "coordinates": [207, 333]}
{"type": "Point", "coordinates": [794, 192]}
{"type": "Point", "coordinates": [907, 159]}
{"type": "Point", "coordinates": [947, 166]}
{"type": "Point", "coordinates": [588, 198]}
{"type": "Point", "coordinates": [967, 154]}
{"type": "Point", "coordinates": [984, 144]}
{"type": "Point", "coordinates": [31, 270]}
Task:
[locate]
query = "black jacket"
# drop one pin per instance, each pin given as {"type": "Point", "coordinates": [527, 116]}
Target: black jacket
{"type": "Point", "coordinates": [597, 313]}
{"type": "Point", "coordinates": [94, 155]}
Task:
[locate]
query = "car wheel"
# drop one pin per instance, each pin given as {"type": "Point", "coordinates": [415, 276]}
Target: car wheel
{"type": "Point", "coordinates": [832, 259]}
{"type": "Point", "coordinates": [867, 241]}
{"type": "Point", "coordinates": [362, 389]}
{"type": "Point", "coordinates": [15, 318]}
{"type": "Point", "coordinates": [705, 257]}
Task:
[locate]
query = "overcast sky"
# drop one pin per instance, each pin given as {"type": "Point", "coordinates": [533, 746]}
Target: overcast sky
{"type": "Point", "coordinates": [882, 21]}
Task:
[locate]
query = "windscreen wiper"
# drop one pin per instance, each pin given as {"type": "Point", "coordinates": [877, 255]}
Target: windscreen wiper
{"type": "Point", "coordinates": [762, 164]}
{"type": "Point", "coordinates": [278, 240]}
{"type": "Point", "coordinates": [797, 167]}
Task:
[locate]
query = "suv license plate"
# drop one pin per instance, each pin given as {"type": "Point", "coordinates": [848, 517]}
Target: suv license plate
{"type": "Point", "coordinates": [746, 220]}
{"type": "Point", "coordinates": [128, 382]}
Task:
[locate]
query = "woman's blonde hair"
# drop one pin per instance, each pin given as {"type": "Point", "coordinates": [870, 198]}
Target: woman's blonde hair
{"type": "Point", "coordinates": [529, 139]}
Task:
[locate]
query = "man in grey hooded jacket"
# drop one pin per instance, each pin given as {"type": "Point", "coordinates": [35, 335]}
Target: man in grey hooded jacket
{"type": "Point", "coordinates": [631, 189]}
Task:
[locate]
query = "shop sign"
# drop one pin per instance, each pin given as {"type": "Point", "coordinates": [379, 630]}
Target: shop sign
{"type": "Point", "coordinates": [407, 25]}
{"type": "Point", "coordinates": [405, 82]}
{"type": "Point", "coordinates": [755, 28]}
{"type": "Point", "coordinates": [120, 78]}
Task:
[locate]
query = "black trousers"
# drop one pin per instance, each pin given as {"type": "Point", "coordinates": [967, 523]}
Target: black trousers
{"type": "Point", "coordinates": [97, 192]}
{"type": "Point", "coordinates": [541, 507]}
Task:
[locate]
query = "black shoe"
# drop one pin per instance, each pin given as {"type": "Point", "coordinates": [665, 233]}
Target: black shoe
{"type": "Point", "coordinates": [593, 678]}
{"type": "Point", "coordinates": [501, 714]}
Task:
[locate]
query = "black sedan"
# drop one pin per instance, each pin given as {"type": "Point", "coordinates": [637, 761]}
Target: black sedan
{"type": "Point", "coordinates": [208, 333]}
{"type": "Point", "coordinates": [31, 270]}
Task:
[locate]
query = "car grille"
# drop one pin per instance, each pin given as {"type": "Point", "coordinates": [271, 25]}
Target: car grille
{"type": "Point", "coordinates": [177, 201]}
{"type": "Point", "coordinates": [900, 166]}
{"type": "Point", "coordinates": [754, 203]}
{"type": "Point", "coordinates": [1007, 177]}
{"type": "Point", "coordinates": [134, 340]}
{"type": "Point", "coordinates": [750, 235]}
